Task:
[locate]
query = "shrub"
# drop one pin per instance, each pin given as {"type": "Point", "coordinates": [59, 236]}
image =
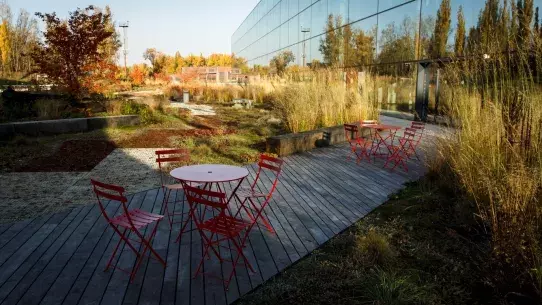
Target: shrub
{"type": "Point", "coordinates": [391, 288]}
{"type": "Point", "coordinates": [146, 114]}
{"type": "Point", "coordinates": [17, 105]}
{"type": "Point", "coordinates": [374, 248]}
{"type": "Point", "coordinates": [50, 108]}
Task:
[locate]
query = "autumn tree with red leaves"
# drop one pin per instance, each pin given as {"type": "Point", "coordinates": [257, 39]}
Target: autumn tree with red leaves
{"type": "Point", "coordinates": [71, 50]}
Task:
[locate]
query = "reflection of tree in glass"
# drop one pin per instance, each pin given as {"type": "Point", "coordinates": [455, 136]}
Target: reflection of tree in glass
{"type": "Point", "coordinates": [330, 45]}
{"type": "Point", "coordinates": [281, 61]}
{"type": "Point", "coordinates": [345, 46]}
{"type": "Point", "coordinates": [398, 43]}
{"type": "Point", "coordinates": [439, 40]}
{"type": "Point", "coordinates": [459, 45]}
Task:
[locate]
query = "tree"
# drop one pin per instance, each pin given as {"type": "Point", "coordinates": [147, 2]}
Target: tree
{"type": "Point", "coordinates": [364, 47]}
{"type": "Point", "coordinates": [281, 61]}
{"type": "Point", "coordinates": [5, 44]}
{"type": "Point", "coordinates": [439, 40]}
{"type": "Point", "coordinates": [138, 74]}
{"type": "Point", "coordinates": [71, 47]}
{"type": "Point", "coordinates": [330, 45]}
{"type": "Point", "coordinates": [152, 55]}
{"type": "Point", "coordinates": [460, 34]}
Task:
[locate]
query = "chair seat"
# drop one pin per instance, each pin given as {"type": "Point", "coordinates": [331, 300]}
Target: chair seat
{"type": "Point", "coordinates": [225, 225]}
{"type": "Point", "coordinates": [139, 219]}
{"type": "Point", "coordinates": [245, 192]}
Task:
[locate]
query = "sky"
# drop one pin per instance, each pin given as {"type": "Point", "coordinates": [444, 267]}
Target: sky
{"type": "Point", "coordinates": [187, 26]}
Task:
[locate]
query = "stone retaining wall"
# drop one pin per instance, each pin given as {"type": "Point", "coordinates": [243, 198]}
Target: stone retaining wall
{"type": "Point", "coordinates": [54, 127]}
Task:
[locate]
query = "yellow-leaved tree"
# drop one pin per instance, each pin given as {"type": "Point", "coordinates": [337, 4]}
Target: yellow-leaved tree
{"type": "Point", "coordinates": [5, 44]}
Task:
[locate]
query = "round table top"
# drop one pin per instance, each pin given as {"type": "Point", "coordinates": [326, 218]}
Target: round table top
{"type": "Point", "coordinates": [211, 173]}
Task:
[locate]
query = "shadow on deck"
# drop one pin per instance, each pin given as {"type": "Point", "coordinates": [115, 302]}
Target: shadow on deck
{"type": "Point", "coordinates": [59, 258]}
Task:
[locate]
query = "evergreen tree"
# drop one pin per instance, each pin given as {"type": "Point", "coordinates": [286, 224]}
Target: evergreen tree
{"type": "Point", "coordinates": [442, 30]}
{"type": "Point", "coordinates": [459, 45]}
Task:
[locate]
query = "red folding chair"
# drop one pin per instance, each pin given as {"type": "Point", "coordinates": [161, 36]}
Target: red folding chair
{"type": "Point", "coordinates": [130, 221]}
{"type": "Point", "coordinates": [251, 195]}
{"type": "Point", "coordinates": [420, 128]}
{"type": "Point", "coordinates": [216, 225]}
{"type": "Point", "coordinates": [359, 147]}
{"type": "Point", "coordinates": [400, 153]}
{"type": "Point", "coordinates": [164, 158]}
{"type": "Point", "coordinates": [410, 142]}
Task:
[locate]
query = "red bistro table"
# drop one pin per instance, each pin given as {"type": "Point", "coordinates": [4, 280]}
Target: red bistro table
{"type": "Point", "coordinates": [210, 175]}
{"type": "Point", "coordinates": [378, 130]}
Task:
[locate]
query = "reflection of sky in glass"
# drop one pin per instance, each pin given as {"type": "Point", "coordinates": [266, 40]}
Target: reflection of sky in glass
{"type": "Point", "coordinates": [314, 17]}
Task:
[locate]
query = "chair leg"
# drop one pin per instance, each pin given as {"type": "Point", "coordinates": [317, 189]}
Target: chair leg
{"type": "Point", "coordinates": [260, 215]}
{"type": "Point", "coordinates": [121, 238]}
{"type": "Point", "coordinates": [185, 224]}
{"type": "Point", "coordinates": [165, 204]}
{"type": "Point", "coordinates": [147, 246]}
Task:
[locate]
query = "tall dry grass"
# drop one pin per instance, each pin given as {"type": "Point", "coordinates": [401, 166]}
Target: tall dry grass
{"type": "Point", "coordinates": [496, 155]}
{"type": "Point", "coordinates": [219, 93]}
{"type": "Point", "coordinates": [324, 99]}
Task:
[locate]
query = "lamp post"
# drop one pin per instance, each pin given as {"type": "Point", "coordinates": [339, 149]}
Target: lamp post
{"type": "Point", "coordinates": [304, 31]}
{"type": "Point", "coordinates": [124, 27]}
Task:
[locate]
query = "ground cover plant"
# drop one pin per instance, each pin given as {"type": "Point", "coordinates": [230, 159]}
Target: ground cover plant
{"type": "Point", "coordinates": [421, 247]}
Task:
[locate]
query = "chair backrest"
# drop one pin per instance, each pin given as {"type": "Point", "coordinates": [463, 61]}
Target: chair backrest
{"type": "Point", "coordinates": [271, 164]}
{"type": "Point", "coordinates": [206, 198]}
{"type": "Point", "coordinates": [351, 131]}
{"type": "Point", "coordinates": [419, 127]}
{"type": "Point", "coordinates": [110, 192]}
{"type": "Point", "coordinates": [409, 134]}
{"type": "Point", "coordinates": [164, 157]}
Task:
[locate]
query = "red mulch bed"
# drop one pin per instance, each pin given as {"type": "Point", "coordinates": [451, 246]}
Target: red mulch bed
{"type": "Point", "coordinates": [72, 156]}
{"type": "Point", "coordinates": [154, 138]}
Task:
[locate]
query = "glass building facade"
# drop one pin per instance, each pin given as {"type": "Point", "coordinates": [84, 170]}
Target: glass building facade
{"type": "Point", "coordinates": [390, 36]}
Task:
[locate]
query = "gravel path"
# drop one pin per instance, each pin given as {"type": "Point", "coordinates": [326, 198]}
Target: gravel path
{"type": "Point", "coordinates": [24, 195]}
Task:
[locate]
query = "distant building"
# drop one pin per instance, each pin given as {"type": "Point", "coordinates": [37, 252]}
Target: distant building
{"type": "Point", "coordinates": [215, 74]}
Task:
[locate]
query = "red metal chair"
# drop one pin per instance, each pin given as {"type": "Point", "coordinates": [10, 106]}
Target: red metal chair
{"type": "Point", "coordinates": [164, 157]}
{"type": "Point", "coordinates": [400, 153]}
{"type": "Point", "coordinates": [359, 147]}
{"type": "Point", "coordinates": [420, 128]}
{"type": "Point", "coordinates": [410, 142]}
{"type": "Point", "coordinates": [129, 221]}
{"type": "Point", "coordinates": [218, 228]}
{"type": "Point", "coordinates": [251, 195]}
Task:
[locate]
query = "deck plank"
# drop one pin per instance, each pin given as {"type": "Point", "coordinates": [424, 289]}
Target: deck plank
{"type": "Point", "coordinates": [289, 239]}
{"type": "Point", "coordinates": [92, 290]}
{"type": "Point", "coordinates": [59, 258]}
{"type": "Point", "coordinates": [23, 260]}
{"type": "Point", "coordinates": [39, 279]}
{"type": "Point", "coordinates": [119, 285]}
{"type": "Point", "coordinates": [62, 285]}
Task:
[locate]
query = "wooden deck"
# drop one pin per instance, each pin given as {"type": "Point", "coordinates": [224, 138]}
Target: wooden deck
{"type": "Point", "coordinates": [59, 258]}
